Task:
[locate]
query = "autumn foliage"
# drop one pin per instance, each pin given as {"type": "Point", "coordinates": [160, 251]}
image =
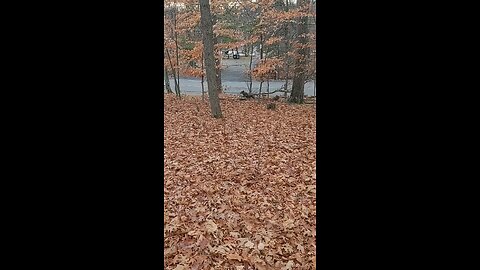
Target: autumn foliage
{"type": "Point", "coordinates": [239, 193]}
{"type": "Point", "coordinates": [269, 24]}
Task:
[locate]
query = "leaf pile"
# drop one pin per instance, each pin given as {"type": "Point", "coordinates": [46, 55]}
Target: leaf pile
{"type": "Point", "coordinates": [239, 192]}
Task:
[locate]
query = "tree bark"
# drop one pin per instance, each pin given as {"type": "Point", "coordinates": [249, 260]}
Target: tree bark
{"type": "Point", "coordinates": [298, 83]}
{"type": "Point", "coordinates": [286, 58]}
{"type": "Point", "coordinates": [177, 88]}
{"type": "Point", "coordinates": [203, 79]}
{"type": "Point", "coordinates": [218, 73]}
{"type": "Point", "coordinates": [250, 71]}
{"type": "Point", "coordinates": [209, 56]}
{"type": "Point", "coordinates": [268, 88]}
{"type": "Point", "coordinates": [167, 81]}
{"type": "Point", "coordinates": [261, 46]}
{"type": "Point", "coordinates": [218, 60]}
{"type": "Point", "coordinates": [177, 85]}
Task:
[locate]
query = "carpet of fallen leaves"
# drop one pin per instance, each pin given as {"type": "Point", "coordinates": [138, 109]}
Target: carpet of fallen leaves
{"type": "Point", "coordinates": [239, 192]}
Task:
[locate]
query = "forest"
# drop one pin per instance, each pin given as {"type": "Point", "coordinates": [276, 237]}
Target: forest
{"type": "Point", "coordinates": [239, 134]}
{"type": "Point", "coordinates": [277, 38]}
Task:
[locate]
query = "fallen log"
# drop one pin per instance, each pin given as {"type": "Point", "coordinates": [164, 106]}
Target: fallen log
{"type": "Point", "coordinates": [247, 95]}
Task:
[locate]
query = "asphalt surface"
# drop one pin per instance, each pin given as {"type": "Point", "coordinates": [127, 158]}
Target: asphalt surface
{"type": "Point", "coordinates": [234, 80]}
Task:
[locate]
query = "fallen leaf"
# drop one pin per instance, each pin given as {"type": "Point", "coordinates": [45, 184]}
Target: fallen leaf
{"type": "Point", "coordinates": [300, 247]}
{"type": "Point", "coordinates": [211, 226]}
{"type": "Point", "coordinates": [180, 267]}
{"type": "Point", "coordinates": [260, 266]}
{"type": "Point", "coordinates": [289, 224]}
{"type": "Point", "coordinates": [288, 266]}
{"type": "Point", "coordinates": [249, 244]}
{"type": "Point", "coordinates": [234, 256]}
{"type": "Point", "coordinates": [299, 258]}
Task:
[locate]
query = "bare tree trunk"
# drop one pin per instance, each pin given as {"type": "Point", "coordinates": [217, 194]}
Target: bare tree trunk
{"type": "Point", "coordinates": [167, 81]}
{"type": "Point", "coordinates": [260, 90]}
{"type": "Point", "coordinates": [177, 87]}
{"type": "Point", "coordinates": [209, 54]}
{"type": "Point", "coordinates": [298, 84]}
{"type": "Point", "coordinates": [286, 80]}
{"type": "Point", "coordinates": [314, 59]}
{"type": "Point", "coordinates": [286, 58]}
{"type": "Point", "coordinates": [268, 88]}
{"type": "Point", "coordinates": [203, 89]}
{"type": "Point", "coordinates": [176, 47]}
{"type": "Point", "coordinates": [261, 46]}
{"type": "Point", "coordinates": [250, 72]}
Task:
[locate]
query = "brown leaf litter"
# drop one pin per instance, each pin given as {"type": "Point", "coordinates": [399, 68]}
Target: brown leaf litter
{"type": "Point", "coordinates": [239, 192]}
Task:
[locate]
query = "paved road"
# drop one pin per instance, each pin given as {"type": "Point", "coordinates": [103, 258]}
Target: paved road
{"type": "Point", "coordinates": [235, 80]}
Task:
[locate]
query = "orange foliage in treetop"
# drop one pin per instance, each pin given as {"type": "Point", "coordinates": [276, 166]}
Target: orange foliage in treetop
{"type": "Point", "coordinates": [243, 23]}
{"type": "Point", "coordinates": [266, 68]}
{"type": "Point", "coordinates": [188, 21]}
{"type": "Point", "coordinates": [272, 40]}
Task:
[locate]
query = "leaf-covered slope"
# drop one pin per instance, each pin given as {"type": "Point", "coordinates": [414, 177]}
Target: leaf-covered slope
{"type": "Point", "coordinates": [239, 192]}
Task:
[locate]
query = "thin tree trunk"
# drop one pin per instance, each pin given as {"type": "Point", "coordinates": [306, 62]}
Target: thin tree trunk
{"type": "Point", "coordinates": [261, 46]}
{"type": "Point", "coordinates": [260, 90]}
{"type": "Point", "coordinates": [209, 55]}
{"type": "Point", "coordinates": [315, 74]}
{"type": "Point", "coordinates": [177, 88]}
{"type": "Point", "coordinates": [203, 89]}
{"type": "Point", "coordinates": [268, 88]}
{"type": "Point", "coordinates": [286, 59]}
{"type": "Point", "coordinates": [268, 80]}
{"type": "Point", "coordinates": [176, 46]}
{"type": "Point", "coordinates": [286, 81]}
{"type": "Point", "coordinates": [315, 60]}
{"type": "Point", "coordinates": [250, 73]}
{"type": "Point", "coordinates": [167, 81]}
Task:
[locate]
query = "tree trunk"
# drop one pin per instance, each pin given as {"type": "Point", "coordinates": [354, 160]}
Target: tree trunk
{"type": "Point", "coordinates": [218, 60]}
{"type": "Point", "coordinates": [261, 46]}
{"type": "Point", "coordinates": [177, 85]}
{"type": "Point", "coordinates": [167, 82]}
{"type": "Point", "coordinates": [250, 73]}
{"type": "Point", "coordinates": [268, 88]}
{"type": "Point", "coordinates": [285, 56]}
{"type": "Point", "coordinates": [177, 88]}
{"type": "Point", "coordinates": [218, 73]}
{"type": "Point", "coordinates": [203, 89]}
{"type": "Point", "coordinates": [286, 81]}
{"type": "Point", "coordinates": [209, 55]}
{"type": "Point", "coordinates": [298, 83]}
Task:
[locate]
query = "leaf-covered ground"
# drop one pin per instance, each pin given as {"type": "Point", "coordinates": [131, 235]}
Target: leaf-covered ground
{"type": "Point", "coordinates": [239, 193]}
